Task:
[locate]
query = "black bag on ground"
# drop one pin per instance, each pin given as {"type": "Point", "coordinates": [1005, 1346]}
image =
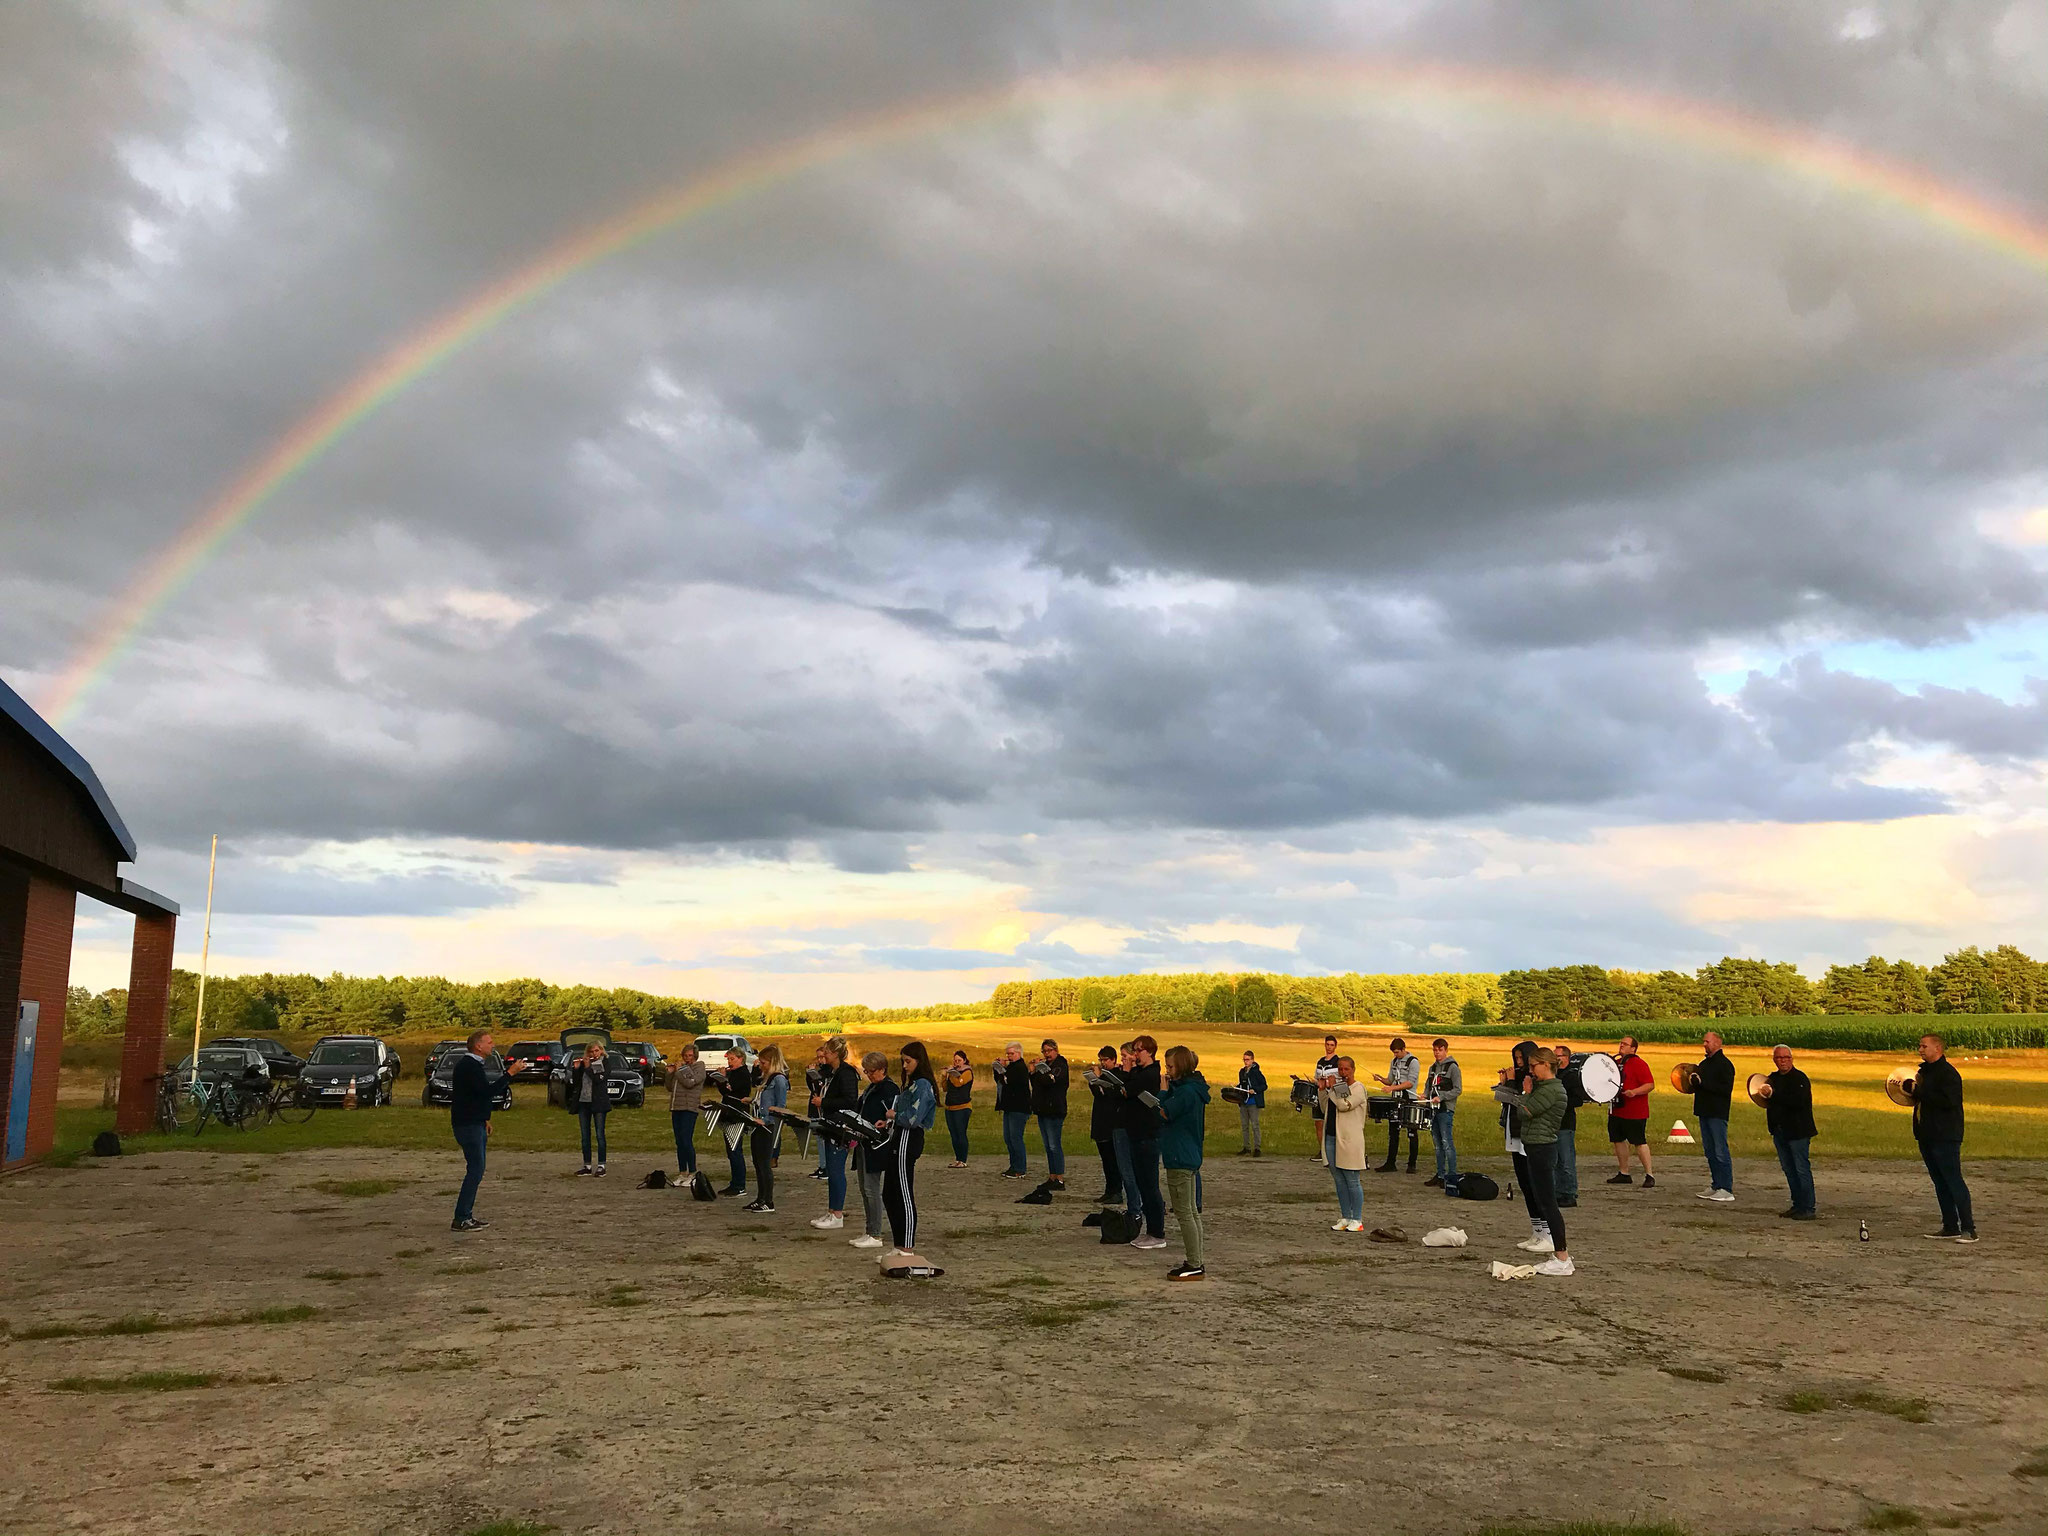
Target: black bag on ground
{"type": "Point", "coordinates": [1118, 1227]}
{"type": "Point", "coordinates": [701, 1188]}
{"type": "Point", "coordinates": [1472, 1186]}
{"type": "Point", "coordinates": [1039, 1196]}
{"type": "Point", "coordinates": [655, 1180]}
{"type": "Point", "coordinates": [106, 1144]}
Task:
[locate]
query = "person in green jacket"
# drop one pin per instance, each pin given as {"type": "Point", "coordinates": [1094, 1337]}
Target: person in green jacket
{"type": "Point", "coordinates": [1182, 1107]}
{"type": "Point", "coordinates": [1540, 1109]}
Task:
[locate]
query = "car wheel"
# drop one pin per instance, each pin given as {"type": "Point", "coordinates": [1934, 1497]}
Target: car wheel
{"type": "Point", "coordinates": [426, 1102]}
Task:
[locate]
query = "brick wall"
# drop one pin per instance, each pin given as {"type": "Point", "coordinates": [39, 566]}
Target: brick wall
{"type": "Point", "coordinates": [13, 923]}
{"type": "Point", "coordinates": [46, 978]}
{"type": "Point", "coordinates": [149, 999]}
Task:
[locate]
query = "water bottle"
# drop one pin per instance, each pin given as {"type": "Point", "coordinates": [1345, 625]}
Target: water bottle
{"type": "Point", "coordinates": [1862, 1231]}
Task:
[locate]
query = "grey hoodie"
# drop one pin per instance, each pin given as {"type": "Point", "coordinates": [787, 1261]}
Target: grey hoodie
{"type": "Point", "coordinates": [1445, 1082]}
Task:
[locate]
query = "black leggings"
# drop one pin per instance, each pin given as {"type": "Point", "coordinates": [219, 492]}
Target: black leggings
{"type": "Point", "coordinates": [1536, 1172]}
{"type": "Point", "coordinates": [1394, 1142]}
{"type": "Point", "coordinates": [899, 1187]}
{"type": "Point", "coordinates": [764, 1166]}
{"type": "Point", "coordinates": [1112, 1174]}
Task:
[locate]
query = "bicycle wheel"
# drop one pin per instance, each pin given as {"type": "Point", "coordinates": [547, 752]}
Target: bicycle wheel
{"type": "Point", "coordinates": [182, 1105]}
{"type": "Point", "coordinates": [285, 1106]}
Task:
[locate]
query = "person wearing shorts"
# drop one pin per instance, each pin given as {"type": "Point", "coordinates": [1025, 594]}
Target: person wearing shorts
{"type": "Point", "coordinates": [1628, 1122]}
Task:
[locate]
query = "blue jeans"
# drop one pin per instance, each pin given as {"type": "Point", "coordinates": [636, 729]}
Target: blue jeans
{"type": "Point", "coordinates": [1798, 1168]}
{"type": "Point", "coordinates": [736, 1163]}
{"type": "Point", "coordinates": [684, 1123]}
{"type": "Point", "coordinates": [588, 1117]}
{"type": "Point", "coordinates": [1440, 1134]}
{"type": "Point", "coordinates": [1565, 1168]}
{"type": "Point", "coordinates": [1014, 1121]}
{"type": "Point", "coordinates": [1145, 1163]}
{"type": "Point", "coordinates": [474, 1141]}
{"type": "Point", "coordinates": [956, 1127]}
{"type": "Point", "coordinates": [1944, 1160]}
{"type": "Point", "coordinates": [1127, 1171]}
{"type": "Point", "coordinates": [1720, 1167]}
{"type": "Point", "coordinates": [835, 1178]}
{"type": "Point", "coordinates": [1350, 1188]}
{"type": "Point", "coordinates": [1049, 1129]}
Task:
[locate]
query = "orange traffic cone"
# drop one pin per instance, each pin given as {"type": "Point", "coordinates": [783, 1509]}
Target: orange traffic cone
{"type": "Point", "coordinates": [1680, 1134]}
{"type": "Point", "coordinates": [348, 1098]}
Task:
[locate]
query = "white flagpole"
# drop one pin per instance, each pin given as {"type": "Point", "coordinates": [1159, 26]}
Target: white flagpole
{"type": "Point", "coordinates": [205, 948]}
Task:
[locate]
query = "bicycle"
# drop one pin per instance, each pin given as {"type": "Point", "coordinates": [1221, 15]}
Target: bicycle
{"type": "Point", "coordinates": [178, 1102]}
{"type": "Point", "coordinates": [282, 1103]}
{"type": "Point", "coordinates": [226, 1103]}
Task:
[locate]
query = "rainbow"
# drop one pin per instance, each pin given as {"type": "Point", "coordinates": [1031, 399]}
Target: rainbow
{"type": "Point", "coordinates": [1708, 130]}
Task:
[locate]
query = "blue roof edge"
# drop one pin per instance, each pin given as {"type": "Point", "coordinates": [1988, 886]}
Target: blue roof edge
{"type": "Point", "coordinates": [19, 710]}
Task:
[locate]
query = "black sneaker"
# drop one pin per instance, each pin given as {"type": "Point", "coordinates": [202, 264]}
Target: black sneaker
{"type": "Point", "coordinates": [1256, 1152]}
{"type": "Point", "coordinates": [583, 1172]}
{"type": "Point", "coordinates": [600, 1170]}
{"type": "Point", "coordinates": [1649, 1181]}
{"type": "Point", "coordinates": [1244, 1151]}
{"type": "Point", "coordinates": [1969, 1235]}
{"type": "Point", "coordinates": [765, 1210]}
{"type": "Point", "coordinates": [1803, 1215]}
{"type": "Point", "coordinates": [734, 1189]}
{"type": "Point", "coordinates": [1621, 1178]}
{"type": "Point", "coordinates": [1568, 1205]}
{"type": "Point", "coordinates": [477, 1224]}
{"type": "Point", "coordinates": [1185, 1271]}
{"type": "Point", "coordinates": [1946, 1234]}
{"type": "Point", "coordinates": [751, 1205]}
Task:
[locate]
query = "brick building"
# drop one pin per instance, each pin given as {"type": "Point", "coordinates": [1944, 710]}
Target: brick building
{"type": "Point", "coordinates": [61, 838]}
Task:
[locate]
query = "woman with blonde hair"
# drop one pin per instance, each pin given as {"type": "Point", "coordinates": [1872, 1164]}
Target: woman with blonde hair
{"type": "Point", "coordinates": [773, 1094]}
{"type": "Point", "coordinates": [842, 1091]}
{"type": "Point", "coordinates": [1342, 1102]}
{"type": "Point", "coordinates": [590, 1094]}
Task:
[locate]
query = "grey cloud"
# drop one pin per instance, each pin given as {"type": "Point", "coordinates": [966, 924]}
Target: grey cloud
{"type": "Point", "coordinates": [1811, 713]}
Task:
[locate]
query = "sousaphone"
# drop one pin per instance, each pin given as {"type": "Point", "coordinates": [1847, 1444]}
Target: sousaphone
{"type": "Point", "coordinates": [1900, 1085]}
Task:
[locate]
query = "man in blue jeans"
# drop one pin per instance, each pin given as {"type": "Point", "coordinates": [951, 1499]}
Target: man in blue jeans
{"type": "Point", "coordinates": [1938, 1127]}
{"type": "Point", "coordinates": [1013, 1103]}
{"type": "Point", "coordinates": [1713, 1091]}
{"type": "Point", "coordinates": [469, 1116]}
{"type": "Point", "coordinates": [1441, 1088]}
{"type": "Point", "coordinates": [1788, 1112]}
{"type": "Point", "coordinates": [1049, 1104]}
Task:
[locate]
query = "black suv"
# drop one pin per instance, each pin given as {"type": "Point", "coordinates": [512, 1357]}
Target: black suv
{"type": "Point", "coordinates": [645, 1058]}
{"type": "Point", "coordinates": [276, 1055]}
{"type": "Point", "coordinates": [540, 1056]}
{"type": "Point", "coordinates": [439, 1087]}
{"type": "Point", "coordinates": [336, 1060]}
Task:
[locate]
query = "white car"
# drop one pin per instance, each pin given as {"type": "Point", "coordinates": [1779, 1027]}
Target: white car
{"type": "Point", "coordinates": [711, 1050]}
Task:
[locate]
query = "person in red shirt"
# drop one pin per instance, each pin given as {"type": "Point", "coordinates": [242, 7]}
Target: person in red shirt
{"type": "Point", "coordinates": [1628, 1121]}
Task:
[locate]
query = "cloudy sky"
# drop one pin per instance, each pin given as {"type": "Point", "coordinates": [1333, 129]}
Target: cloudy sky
{"type": "Point", "coordinates": [1265, 522]}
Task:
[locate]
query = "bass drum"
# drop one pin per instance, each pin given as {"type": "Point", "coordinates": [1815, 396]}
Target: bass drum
{"type": "Point", "coordinates": [1600, 1076]}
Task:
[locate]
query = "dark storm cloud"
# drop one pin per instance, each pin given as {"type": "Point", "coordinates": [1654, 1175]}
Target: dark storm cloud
{"type": "Point", "coordinates": [1234, 464]}
{"type": "Point", "coordinates": [1812, 712]}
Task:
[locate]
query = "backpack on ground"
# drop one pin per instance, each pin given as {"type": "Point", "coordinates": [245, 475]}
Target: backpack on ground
{"type": "Point", "coordinates": [1119, 1227]}
{"type": "Point", "coordinates": [106, 1144]}
{"type": "Point", "coordinates": [1039, 1196]}
{"type": "Point", "coordinates": [655, 1180]}
{"type": "Point", "coordinates": [1472, 1186]}
{"type": "Point", "coordinates": [701, 1188]}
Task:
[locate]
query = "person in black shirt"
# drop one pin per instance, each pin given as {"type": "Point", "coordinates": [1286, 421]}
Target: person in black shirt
{"type": "Point", "coordinates": [1013, 1103]}
{"type": "Point", "coordinates": [1141, 1123]}
{"type": "Point", "coordinates": [842, 1091]}
{"type": "Point", "coordinates": [1788, 1113]}
{"type": "Point", "coordinates": [1938, 1127]}
{"type": "Point", "coordinates": [1251, 1077]}
{"type": "Point", "coordinates": [1049, 1105]}
{"type": "Point", "coordinates": [1326, 1074]}
{"type": "Point", "coordinates": [735, 1084]}
{"type": "Point", "coordinates": [1713, 1093]}
{"type": "Point", "coordinates": [1566, 1153]}
{"type": "Point", "coordinates": [469, 1117]}
{"type": "Point", "coordinates": [1103, 1110]}
{"type": "Point", "coordinates": [875, 1102]}
{"type": "Point", "coordinates": [959, 1105]}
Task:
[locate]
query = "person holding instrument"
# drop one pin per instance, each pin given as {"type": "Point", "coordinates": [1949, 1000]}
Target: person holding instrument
{"type": "Point", "coordinates": [1013, 1103]}
{"type": "Point", "coordinates": [911, 1116]}
{"type": "Point", "coordinates": [1183, 1122]}
{"type": "Point", "coordinates": [1105, 1103]}
{"type": "Point", "coordinates": [1938, 1128]}
{"type": "Point", "coordinates": [685, 1103]}
{"type": "Point", "coordinates": [1251, 1079]}
{"type": "Point", "coordinates": [872, 1163]}
{"type": "Point", "coordinates": [1443, 1088]}
{"type": "Point", "coordinates": [773, 1094]}
{"type": "Point", "coordinates": [1325, 1074]}
{"type": "Point", "coordinates": [1788, 1113]}
{"type": "Point", "coordinates": [1342, 1103]}
{"type": "Point", "coordinates": [1538, 1100]}
{"type": "Point", "coordinates": [1049, 1079]}
{"type": "Point", "coordinates": [1628, 1119]}
{"type": "Point", "coordinates": [959, 1089]}
{"type": "Point", "coordinates": [590, 1092]}
{"type": "Point", "coordinates": [842, 1092]}
{"type": "Point", "coordinates": [1712, 1095]}
{"type": "Point", "coordinates": [1404, 1072]}
{"type": "Point", "coordinates": [1565, 1153]}
{"type": "Point", "coordinates": [1141, 1124]}
{"type": "Point", "coordinates": [735, 1084]}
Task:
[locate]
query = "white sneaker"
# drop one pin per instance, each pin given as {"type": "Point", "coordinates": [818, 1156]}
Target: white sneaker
{"type": "Point", "coordinates": [864, 1241]}
{"type": "Point", "coordinates": [1537, 1243]}
{"type": "Point", "coordinates": [1725, 1196]}
{"type": "Point", "coordinates": [828, 1222]}
{"type": "Point", "coordinates": [1341, 1225]}
{"type": "Point", "coordinates": [1555, 1267]}
{"type": "Point", "coordinates": [889, 1253]}
{"type": "Point", "coordinates": [1149, 1241]}
{"type": "Point", "coordinates": [1354, 1226]}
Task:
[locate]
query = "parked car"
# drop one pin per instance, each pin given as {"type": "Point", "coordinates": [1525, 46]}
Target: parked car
{"type": "Point", "coordinates": [711, 1049]}
{"type": "Point", "coordinates": [624, 1085]}
{"type": "Point", "coordinates": [227, 1061]}
{"type": "Point", "coordinates": [337, 1060]}
{"type": "Point", "coordinates": [644, 1058]}
{"type": "Point", "coordinates": [540, 1057]}
{"type": "Point", "coordinates": [276, 1054]}
{"type": "Point", "coordinates": [439, 1087]}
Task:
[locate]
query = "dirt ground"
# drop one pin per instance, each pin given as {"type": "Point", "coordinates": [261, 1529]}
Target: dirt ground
{"type": "Point", "coordinates": [614, 1359]}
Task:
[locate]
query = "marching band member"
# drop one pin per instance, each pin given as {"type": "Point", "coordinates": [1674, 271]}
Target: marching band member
{"type": "Point", "coordinates": [1252, 1079]}
{"type": "Point", "coordinates": [685, 1103]}
{"type": "Point", "coordinates": [1443, 1086]}
{"type": "Point", "coordinates": [1788, 1112]}
{"type": "Point", "coordinates": [815, 1078]}
{"type": "Point", "coordinates": [1049, 1106]}
{"type": "Point", "coordinates": [1182, 1109]}
{"type": "Point", "coordinates": [735, 1083]}
{"type": "Point", "coordinates": [1013, 1103]}
{"type": "Point", "coordinates": [912, 1114]}
{"type": "Point", "coordinates": [1120, 1134]}
{"type": "Point", "coordinates": [842, 1091]}
{"type": "Point", "coordinates": [1103, 1110]}
{"type": "Point", "coordinates": [1518, 1079]}
{"type": "Point", "coordinates": [1713, 1092]}
{"type": "Point", "coordinates": [1628, 1118]}
{"type": "Point", "coordinates": [1325, 1074]}
{"type": "Point", "coordinates": [1566, 1151]}
{"type": "Point", "coordinates": [1938, 1127]}
{"type": "Point", "coordinates": [871, 1162]}
{"type": "Point", "coordinates": [1340, 1103]}
{"type": "Point", "coordinates": [1539, 1109]}
{"type": "Point", "coordinates": [1403, 1072]}
{"type": "Point", "coordinates": [959, 1105]}
{"type": "Point", "coordinates": [773, 1094]}
{"type": "Point", "coordinates": [591, 1094]}
{"type": "Point", "coordinates": [1141, 1123]}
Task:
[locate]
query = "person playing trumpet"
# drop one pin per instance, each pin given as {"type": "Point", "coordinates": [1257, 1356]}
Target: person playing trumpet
{"type": "Point", "coordinates": [1788, 1114]}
